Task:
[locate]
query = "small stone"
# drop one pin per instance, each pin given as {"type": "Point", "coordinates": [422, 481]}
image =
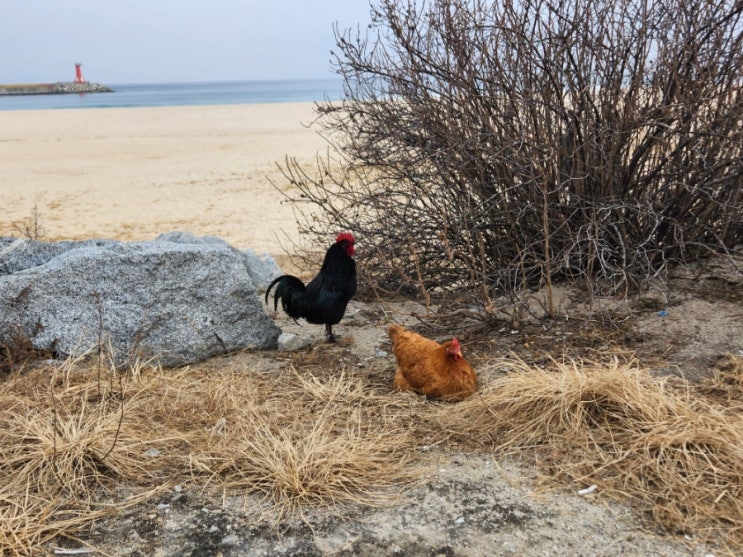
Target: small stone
{"type": "Point", "coordinates": [288, 342]}
{"type": "Point", "coordinates": [652, 300]}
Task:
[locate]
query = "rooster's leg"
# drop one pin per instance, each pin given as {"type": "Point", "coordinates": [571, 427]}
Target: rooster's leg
{"type": "Point", "coordinates": [329, 336]}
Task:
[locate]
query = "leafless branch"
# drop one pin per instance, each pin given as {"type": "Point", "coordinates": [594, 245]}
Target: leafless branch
{"type": "Point", "coordinates": [524, 142]}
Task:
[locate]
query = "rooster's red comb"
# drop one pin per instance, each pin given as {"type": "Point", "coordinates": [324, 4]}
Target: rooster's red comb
{"type": "Point", "coordinates": [345, 236]}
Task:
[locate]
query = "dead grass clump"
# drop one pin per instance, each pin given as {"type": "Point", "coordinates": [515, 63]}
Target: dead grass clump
{"type": "Point", "coordinates": [652, 440]}
{"type": "Point", "coordinates": [726, 382]}
{"type": "Point", "coordinates": [301, 440]}
{"type": "Point", "coordinates": [17, 351]}
{"type": "Point", "coordinates": [64, 443]}
{"type": "Point", "coordinates": [74, 433]}
{"type": "Point", "coordinates": [70, 437]}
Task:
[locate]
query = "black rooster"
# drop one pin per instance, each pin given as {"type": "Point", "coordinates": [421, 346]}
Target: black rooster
{"type": "Point", "coordinates": [324, 299]}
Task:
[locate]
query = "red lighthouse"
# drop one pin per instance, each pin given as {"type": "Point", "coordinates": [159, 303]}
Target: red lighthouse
{"type": "Point", "coordinates": [79, 74]}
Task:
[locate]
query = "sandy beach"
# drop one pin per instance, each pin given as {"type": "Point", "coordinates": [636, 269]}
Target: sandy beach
{"type": "Point", "coordinates": [134, 173]}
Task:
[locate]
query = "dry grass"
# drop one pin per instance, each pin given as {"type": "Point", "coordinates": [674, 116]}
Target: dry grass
{"type": "Point", "coordinates": [71, 436]}
{"type": "Point", "coordinates": [658, 442]}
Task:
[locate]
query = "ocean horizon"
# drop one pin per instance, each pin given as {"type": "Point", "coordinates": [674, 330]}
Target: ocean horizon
{"type": "Point", "coordinates": [184, 94]}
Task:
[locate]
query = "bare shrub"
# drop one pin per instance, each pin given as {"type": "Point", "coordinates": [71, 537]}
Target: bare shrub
{"type": "Point", "coordinates": [484, 147]}
{"type": "Point", "coordinates": [31, 227]}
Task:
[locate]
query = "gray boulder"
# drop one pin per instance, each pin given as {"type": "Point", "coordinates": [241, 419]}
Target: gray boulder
{"type": "Point", "coordinates": [262, 268]}
{"type": "Point", "coordinates": [177, 299]}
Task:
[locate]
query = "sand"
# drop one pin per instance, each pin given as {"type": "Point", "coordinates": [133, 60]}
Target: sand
{"type": "Point", "coordinates": [134, 173]}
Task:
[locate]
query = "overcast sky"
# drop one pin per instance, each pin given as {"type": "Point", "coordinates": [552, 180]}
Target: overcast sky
{"type": "Point", "coordinates": [156, 41]}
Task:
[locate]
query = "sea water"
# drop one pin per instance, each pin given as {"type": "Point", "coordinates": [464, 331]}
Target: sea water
{"type": "Point", "coordinates": [183, 94]}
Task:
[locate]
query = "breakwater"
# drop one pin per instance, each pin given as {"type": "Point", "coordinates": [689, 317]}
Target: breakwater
{"type": "Point", "coordinates": [58, 88]}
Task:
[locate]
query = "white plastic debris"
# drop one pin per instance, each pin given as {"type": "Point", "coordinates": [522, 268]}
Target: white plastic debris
{"type": "Point", "coordinates": [230, 539]}
{"type": "Point", "coordinates": [589, 489]}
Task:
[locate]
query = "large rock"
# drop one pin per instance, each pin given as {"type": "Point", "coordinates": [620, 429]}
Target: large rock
{"type": "Point", "coordinates": [262, 268]}
{"type": "Point", "coordinates": [177, 299]}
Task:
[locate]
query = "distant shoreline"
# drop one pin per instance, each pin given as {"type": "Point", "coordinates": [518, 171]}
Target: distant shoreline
{"type": "Point", "coordinates": [179, 94]}
{"type": "Point", "coordinates": [58, 88]}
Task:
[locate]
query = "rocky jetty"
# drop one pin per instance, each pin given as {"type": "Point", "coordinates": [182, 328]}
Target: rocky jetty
{"type": "Point", "coordinates": [58, 88]}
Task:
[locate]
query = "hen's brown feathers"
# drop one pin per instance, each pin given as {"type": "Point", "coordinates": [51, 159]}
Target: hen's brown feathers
{"type": "Point", "coordinates": [430, 368]}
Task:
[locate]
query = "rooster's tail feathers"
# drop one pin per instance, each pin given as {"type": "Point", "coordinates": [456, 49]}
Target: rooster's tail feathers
{"type": "Point", "coordinates": [270, 286]}
{"type": "Point", "coordinates": [288, 290]}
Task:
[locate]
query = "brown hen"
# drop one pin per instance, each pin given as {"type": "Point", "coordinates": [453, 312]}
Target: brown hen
{"type": "Point", "coordinates": [429, 368]}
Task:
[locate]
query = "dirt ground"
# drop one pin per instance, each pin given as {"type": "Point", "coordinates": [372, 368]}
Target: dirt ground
{"type": "Point", "coordinates": [468, 504]}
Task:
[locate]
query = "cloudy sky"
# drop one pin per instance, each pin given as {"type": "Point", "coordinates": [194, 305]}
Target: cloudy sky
{"type": "Point", "coordinates": [158, 41]}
